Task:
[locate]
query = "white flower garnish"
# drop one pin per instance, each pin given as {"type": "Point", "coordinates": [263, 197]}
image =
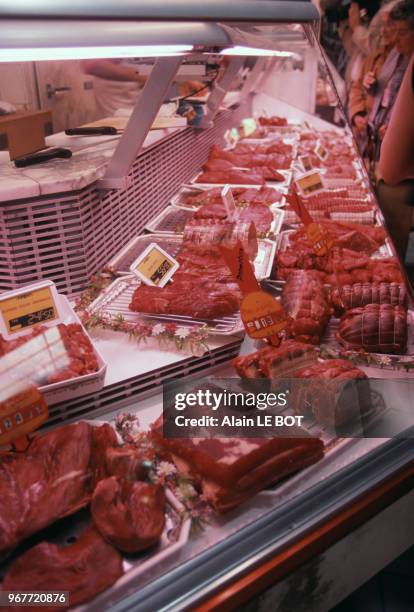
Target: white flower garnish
{"type": "Point", "coordinates": [182, 332]}
{"type": "Point", "coordinates": [158, 329]}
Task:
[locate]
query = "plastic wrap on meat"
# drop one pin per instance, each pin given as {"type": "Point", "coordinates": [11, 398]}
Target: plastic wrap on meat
{"type": "Point", "coordinates": [273, 362]}
{"type": "Point", "coordinates": [360, 294]}
{"type": "Point", "coordinates": [305, 301]}
{"type": "Point", "coordinates": [334, 392]}
{"type": "Point", "coordinates": [129, 515]}
{"type": "Point", "coordinates": [231, 470]}
{"type": "Point", "coordinates": [375, 328]}
{"type": "Point", "coordinates": [84, 569]}
{"type": "Point", "coordinates": [82, 357]}
{"type": "Point", "coordinates": [52, 479]}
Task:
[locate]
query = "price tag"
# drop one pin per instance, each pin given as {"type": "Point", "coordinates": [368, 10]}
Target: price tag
{"type": "Point", "coordinates": [154, 266]}
{"type": "Point", "coordinates": [318, 237]}
{"type": "Point", "coordinates": [310, 182]}
{"type": "Point", "coordinates": [249, 126]}
{"type": "Point", "coordinates": [22, 410]}
{"type": "Point", "coordinates": [21, 309]}
{"type": "Point", "coordinates": [306, 162]}
{"type": "Point", "coordinates": [228, 201]}
{"type": "Point", "coordinates": [263, 316]}
{"type": "Point", "coordinates": [320, 151]}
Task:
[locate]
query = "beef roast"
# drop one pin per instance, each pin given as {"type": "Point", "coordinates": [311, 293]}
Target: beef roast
{"type": "Point", "coordinates": [52, 479]}
{"type": "Point", "coordinates": [130, 515]}
{"type": "Point", "coordinates": [84, 569]}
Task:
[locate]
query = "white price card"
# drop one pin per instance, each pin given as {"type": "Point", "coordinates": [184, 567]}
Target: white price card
{"type": "Point", "coordinates": [23, 308]}
{"type": "Point", "coordinates": [310, 183]}
{"type": "Point", "coordinates": [228, 201]}
{"type": "Point", "coordinates": [155, 267]}
{"type": "Point", "coordinates": [320, 151]}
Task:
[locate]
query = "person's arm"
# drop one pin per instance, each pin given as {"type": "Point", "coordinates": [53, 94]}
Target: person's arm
{"type": "Point", "coordinates": [397, 150]}
{"type": "Point", "coordinates": [112, 71]}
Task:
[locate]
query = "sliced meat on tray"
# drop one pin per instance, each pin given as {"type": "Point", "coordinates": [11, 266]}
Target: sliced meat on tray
{"type": "Point", "coordinates": [83, 569]}
{"type": "Point", "coordinates": [273, 362]}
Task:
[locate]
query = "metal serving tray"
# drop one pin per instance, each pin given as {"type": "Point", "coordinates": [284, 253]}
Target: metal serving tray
{"type": "Point", "coordinates": [172, 243]}
{"type": "Point", "coordinates": [385, 251]}
{"type": "Point", "coordinates": [115, 300]}
{"type": "Point", "coordinates": [172, 220]}
{"type": "Point", "coordinates": [179, 198]}
{"type": "Point", "coordinates": [282, 186]}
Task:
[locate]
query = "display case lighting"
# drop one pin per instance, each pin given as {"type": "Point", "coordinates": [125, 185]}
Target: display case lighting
{"type": "Point", "coordinates": [239, 50]}
{"type": "Point", "coordinates": [79, 53]}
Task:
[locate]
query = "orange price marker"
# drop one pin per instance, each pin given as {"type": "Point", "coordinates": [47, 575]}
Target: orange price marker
{"type": "Point", "coordinates": [317, 235]}
{"type": "Point", "coordinates": [263, 316]}
{"type": "Point", "coordinates": [22, 410]}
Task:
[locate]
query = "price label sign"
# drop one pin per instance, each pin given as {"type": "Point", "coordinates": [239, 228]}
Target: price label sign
{"type": "Point", "coordinates": [320, 151]}
{"type": "Point", "coordinates": [263, 316]}
{"type": "Point", "coordinates": [306, 162]}
{"type": "Point", "coordinates": [22, 410]}
{"type": "Point", "coordinates": [249, 126]}
{"type": "Point", "coordinates": [310, 182]}
{"type": "Point", "coordinates": [23, 308]}
{"type": "Point", "coordinates": [155, 267]}
{"type": "Point", "coordinates": [228, 201]}
{"type": "Point", "coordinates": [318, 238]}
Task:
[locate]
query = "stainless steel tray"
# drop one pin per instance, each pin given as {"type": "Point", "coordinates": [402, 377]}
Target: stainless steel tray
{"type": "Point", "coordinates": [172, 220]}
{"type": "Point", "coordinates": [385, 251]}
{"type": "Point", "coordinates": [185, 190]}
{"type": "Point", "coordinates": [172, 244]}
{"type": "Point", "coordinates": [282, 186]}
{"type": "Point", "coordinates": [115, 300]}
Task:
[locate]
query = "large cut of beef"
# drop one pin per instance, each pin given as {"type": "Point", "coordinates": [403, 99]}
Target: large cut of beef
{"type": "Point", "coordinates": [130, 515]}
{"type": "Point", "coordinates": [243, 196]}
{"type": "Point", "coordinates": [352, 236]}
{"type": "Point", "coordinates": [273, 362]}
{"type": "Point", "coordinates": [376, 328]}
{"type": "Point", "coordinates": [84, 569]}
{"type": "Point", "coordinates": [256, 213]}
{"type": "Point", "coordinates": [234, 176]}
{"type": "Point", "coordinates": [248, 159]}
{"type": "Point", "coordinates": [54, 478]}
{"type": "Point", "coordinates": [353, 296]}
{"type": "Point", "coordinates": [305, 301]}
{"type": "Point", "coordinates": [231, 470]}
{"type": "Point", "coordinates": [334, 392]}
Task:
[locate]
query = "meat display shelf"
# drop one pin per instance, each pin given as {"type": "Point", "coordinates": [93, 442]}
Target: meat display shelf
{"type": "Point", "coordinates": [172, 220]}
{"type": "Point", "coordinates": [172, 243]}
{"type": "Point", "coordinates": [282, 186]}
{"type": "Point", "coordinates": [185, 191]}
{"type": "Point", "coordinates": [115, 300]}
{"type": "Point", "coordinates": [385, 250]}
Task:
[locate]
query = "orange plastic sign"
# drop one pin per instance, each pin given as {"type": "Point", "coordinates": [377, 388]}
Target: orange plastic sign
{"type": "Point", "coordinates": [318, 237]}
{"type": "Point", "coordinates": [263, 316]}
{"type": "Point", "coordinates": [22, 410]}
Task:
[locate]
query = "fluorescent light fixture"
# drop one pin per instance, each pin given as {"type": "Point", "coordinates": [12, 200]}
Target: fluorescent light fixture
{"type": "Point", "coordinates": [68, 53]}
{"type": "Point", "coordinates": [237, 50]}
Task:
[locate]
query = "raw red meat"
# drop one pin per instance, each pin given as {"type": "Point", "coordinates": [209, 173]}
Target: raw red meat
{"type": "Point", "coordinates": [259, 214]}
{"type": "Point", "coordinates": [82, 358]}
{"type": "Point", "coordinates": [379, 328]}
{"type": "Point", "coordinates": [353, 236]}
{"type": "Point", "coordinates": [243, 196]}
{"type": "Point", "coordinates": [304, 300]}
{"type": "Point", "coordinates": [125, 462]}
{"type": "Point", "coordinates": [352, 296]}
{"type": "Point", "coordinates": [238, 177]}
{"type": "Point", "coordinates": [273, 362]}
{"type": "Point", "coordinates": [231, 470]}
{"type": "Point", "coordinates": [52, 479]}
{"type": "Point", "coordinates": [102, 439]}
{"type": "Point", "coordinates": [84, 569]}
{"type": "Point", "coordinates": [273, 121]}
{"type": "Point", "coordinates": [326, 391]}
{"type": "Point", "coordinates": [129, 515]}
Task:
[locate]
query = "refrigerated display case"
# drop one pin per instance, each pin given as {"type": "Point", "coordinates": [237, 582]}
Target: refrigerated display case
{"type": "Point", "coordinates": [93, 215]}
